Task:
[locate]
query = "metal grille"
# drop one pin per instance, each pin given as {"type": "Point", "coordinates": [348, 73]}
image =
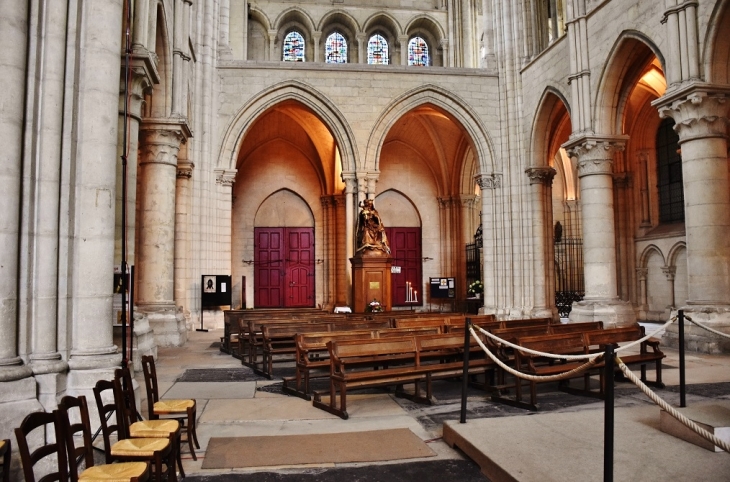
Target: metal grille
{"type": "Point", "coordinates": [569, 279]}
{"type": "Point", "coordinates": [473, 263]}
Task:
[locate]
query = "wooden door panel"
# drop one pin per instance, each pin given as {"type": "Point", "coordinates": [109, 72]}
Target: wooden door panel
{"type": "Point", "coordinates": [268, 266]}
{"type": "Point", "coordinates": [405, 247]}
{"type": "Point", "coordinates": [299, 267]}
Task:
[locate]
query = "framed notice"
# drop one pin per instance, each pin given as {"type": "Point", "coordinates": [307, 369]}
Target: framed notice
{"type": "Point", "coordinates": [215, 290]}
{"type": "Point", "coordinates": [442, 288]}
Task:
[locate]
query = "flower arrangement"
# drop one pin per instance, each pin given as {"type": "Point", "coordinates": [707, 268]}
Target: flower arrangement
{"type": "Point", "coordinates": [374, 307]}
{"type": "Point", "coordinates": [477, 287]}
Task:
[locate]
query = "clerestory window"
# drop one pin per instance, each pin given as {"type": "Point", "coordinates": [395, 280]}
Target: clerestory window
{"type": "Point", "coordinates": [335, 49]}
{"type": "Point", "coordinates": [418, 52]}
{"type": "Point", "coordinates": [377, 50]}
{"type": "Point", "coordinates": [293, 50]}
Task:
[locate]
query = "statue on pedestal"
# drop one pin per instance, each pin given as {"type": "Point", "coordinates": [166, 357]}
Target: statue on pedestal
{"type": "Point", "coordinates": [371, 238]}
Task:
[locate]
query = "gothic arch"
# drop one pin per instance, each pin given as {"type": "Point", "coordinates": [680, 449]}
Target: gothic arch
{"type": "Point", "coordinates": [674, 253]}
{"type": "Point", "coordinates": [338, 17]}
{"type": "Point", "coordinates": [414, 214]}
{"type": "Point", "coordinates": [625, 65]}
{"type": "Point", "coordinates": [450, 103]}
{"type": "Point", "coordinates": [290, 90]}
{"type": "Point", "coordinates": [382, 21]}
{"type": "Point", "coordinates": [550, 111]}
{"type": "Point", "coordinates": [716, 51]}
{"type": "Point", "coordinates": [295, 14]}
{"type": "Point", "coordinates": [648, 251]}
{"type": "Point", "coordinates": [260, 16]}
{"type": "Point", "coordinates": [425, 22]}
{"type": "Point", "coordinates": [284, 208]}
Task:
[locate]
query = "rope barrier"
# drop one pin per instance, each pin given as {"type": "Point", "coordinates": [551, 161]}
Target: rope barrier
{"type": "Point", "coordinates": [719, 333]}
{"type": "Point", "coordinates": [671, 411]}
{"type": "Point", "coordinates": [570, 357]}
{"type": "Point", "coordinates": [537, 378]}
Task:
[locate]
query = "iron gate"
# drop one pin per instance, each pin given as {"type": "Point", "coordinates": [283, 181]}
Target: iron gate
{"type": "Point", "coordinates": [569, 279]}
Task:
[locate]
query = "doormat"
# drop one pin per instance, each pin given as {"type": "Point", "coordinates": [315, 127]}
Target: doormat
{"type": "Point", "coordinates": [260, 451]}
{"type": "Point", "coordinates": [219, 375]}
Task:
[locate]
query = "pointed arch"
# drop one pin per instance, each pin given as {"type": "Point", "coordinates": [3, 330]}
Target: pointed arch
{"type": "Point", "coordinates": [629, 56]}
{"type": "Point", "coordinates": [647, 252]}
{"type": "Point", "coordinates": [289, 90]}
{"type": "Point", "coordinates": [295, 14]}
{"type": "Point", "coordinates": [551, 109]}
{"type": "Point", "coordinates": [260, 16]}
{"type": "Point", "coordinates": [716, 51]}
{"type": "Point", "coordinates": [445, 100]}
{"type": "Point", "coordinates": [674, 252]}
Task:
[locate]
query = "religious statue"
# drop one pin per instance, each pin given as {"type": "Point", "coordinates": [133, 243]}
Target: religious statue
{"type": "Point", "coordinates": [370, 230]}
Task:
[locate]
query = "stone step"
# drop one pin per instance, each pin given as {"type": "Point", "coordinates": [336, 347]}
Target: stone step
{"type": "Point", "coordinates": [713, 417]}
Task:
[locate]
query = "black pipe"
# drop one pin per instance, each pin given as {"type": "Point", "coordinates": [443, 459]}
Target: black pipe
{"type": "Point", "coordinates": [125, 282]}
{"type": "Point", "coordinates": [608, 416]}
{"type": "Point", "coordinates": [682, 386]}
{"type": "Point", "coordinates": [465, 376]}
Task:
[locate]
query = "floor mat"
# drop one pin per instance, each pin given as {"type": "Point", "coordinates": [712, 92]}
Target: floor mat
{"type": "Point", "coordinates": [219, 375]}
{"type": "Point", "coordinates": [371, 446]}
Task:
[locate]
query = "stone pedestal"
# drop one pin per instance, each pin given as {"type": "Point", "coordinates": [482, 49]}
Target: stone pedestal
{"type": "Point", "coordinates": [697, 338]}
{"type": "Point", "coordinates": [715, 418]}
{"type": "Point", "coordinates": [371, 280]}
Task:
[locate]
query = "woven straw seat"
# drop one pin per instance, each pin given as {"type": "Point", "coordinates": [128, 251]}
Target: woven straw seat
{"type": "Point", "coordinates": [122, 472]}
{"type": "Point", "coordinates": [164, 407]}
{"type": "Point", "coordinates": [153, 428]}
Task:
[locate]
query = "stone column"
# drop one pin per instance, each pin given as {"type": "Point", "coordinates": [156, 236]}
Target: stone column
{"type": "Point", "coordinates": [362, 188]}
{"type": "Point", "coordinates": [272, 45]}
{"type": "Point", "coordinates": [178, 47]}
{"type": "Point", "coordinates": [14, 376]}
{"type": "Point", "coordinates": [403, 42]}
{"type": "Point", "coordinates": [541, 181]}
{"type": "Point", "coordinates": [641, 274]}
{"type": "Point", "coordinates": [595, 169]}
{"type": "Point", "coordinates": [670, 272]}
{"type": "Point", "coordinates": [160, 144]}
{"type": "Point", "coordinates": [362, 51]}
{"type": "Point", "coordinates": [447, 62]}
{"type": "Point", "coordinates": [489, 184]}
{"type": "Point", "coordinates": [182, 232]}
{"type": "Point", "coordinates": [316, 37]}
{"type": "Point", "coordinates": [93, 354]}
{"type": "Point", "coordinates": [350, 189]}
{"type": "Point", "coordinates": [42, 212]}
{"type": "Point", "coordinates": [140, 24]}
{"type": "Point", "coordinates": [700, 112]}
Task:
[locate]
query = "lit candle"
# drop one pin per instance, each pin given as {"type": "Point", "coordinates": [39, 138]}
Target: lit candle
{"type": "Point", "coordinates": [415, 296]}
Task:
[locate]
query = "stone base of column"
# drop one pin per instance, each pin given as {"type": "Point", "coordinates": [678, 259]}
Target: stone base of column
{"type": "Point", "coordinates": [613, 313]}
{"type": "Point", "coordinates": [17, 400]}
{"type": "Point", "coordinates": [551, 313]}
{"type": "Point", "coordinates": [143, 341]}
{"type": "Point", "coordinates": [167, 322]}
{"type": "Point", "coordinates": [697, 338]}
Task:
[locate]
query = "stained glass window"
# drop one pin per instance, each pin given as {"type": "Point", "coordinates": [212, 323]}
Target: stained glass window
{"type": "Point", "coordinates": [294, 47]}
{"type": "Point", "coordinates": [417, 52]}
{"type": "Point", "coordinates": [377, 50]}
{"type": "Point", "coordinates": [335, 49]}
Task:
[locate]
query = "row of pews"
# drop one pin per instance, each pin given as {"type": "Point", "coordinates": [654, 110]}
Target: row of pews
{"type": "Point", "coordinates": [358, 351]}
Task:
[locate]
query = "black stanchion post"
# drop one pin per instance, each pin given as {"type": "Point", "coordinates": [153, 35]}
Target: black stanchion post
{"type": "Point", "coordinates": [608, 416]}
{"type": "Point", "coordinates": [465, 377]}
{"type": "Point", "coordinates": [680, 328]}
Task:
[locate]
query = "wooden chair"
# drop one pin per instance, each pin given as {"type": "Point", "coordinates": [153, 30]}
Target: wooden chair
{"type": "Point", "coordinates": [158, 451]}
{"type": "Point", "coordinates": [184, 411]}
{"type": "Point", "coordinates": [124, 471]}
{"type": "Point", "coordinates": [42, 422]}
{"type": "Point", "coordinates": [5, 450]}
{"type": "Point", "coordinates": [138, 428]}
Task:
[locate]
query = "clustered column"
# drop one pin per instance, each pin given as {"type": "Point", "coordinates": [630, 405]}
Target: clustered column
{"type": "Point", "coordinates": [700, 113]}
{"type": "Point", "coordinates": [541, 181]}
{"type": "Point", "coordinates": [595, 169]}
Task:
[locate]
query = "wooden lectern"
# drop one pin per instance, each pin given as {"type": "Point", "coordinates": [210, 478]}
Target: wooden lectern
{"type": "Point", "coordinates": [371, 280]}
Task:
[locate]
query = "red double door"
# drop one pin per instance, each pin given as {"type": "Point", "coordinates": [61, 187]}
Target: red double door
{"type": "Point", "coordinates": [284, 267]}
{"type": "Point", "coordinates": [405, 248]}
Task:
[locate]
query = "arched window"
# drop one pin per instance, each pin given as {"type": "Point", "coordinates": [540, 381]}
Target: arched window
{"type": "Point", "coordinates": [377, 50]}
{"type": "Point", "coordinates": [335, 49]}
{"type": "Point", "coordinates": [293, 47]}
{"type": "Point", "coordinates": [418, 52]}
{"type": "Point", "coordinates": [669, 174]}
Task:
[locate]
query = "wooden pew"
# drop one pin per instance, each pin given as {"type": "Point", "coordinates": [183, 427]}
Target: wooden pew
{"type": "Point", "coordinates": [399, 361]}
{"type": "Point", "coordinates": [312, 355]}
{"type": "Point", "coordinates": [280, 339]}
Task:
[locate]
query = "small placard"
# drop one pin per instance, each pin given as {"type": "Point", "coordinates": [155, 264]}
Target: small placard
{"type": "Point", "coordinates": [395, 269]}
{"type": "Point", "coordinates": [375, 285]}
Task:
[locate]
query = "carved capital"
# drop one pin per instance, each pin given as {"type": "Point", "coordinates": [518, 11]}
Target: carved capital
{"type": "Point", "coordinates": [642, 273]}
{"type": "Point", "coordinates": [621, 180]}
{"type": "Point", "coordinates": [185, 169]}
{"type": "Point", "coordinates": [595, 148]}
{"type": "Point", "coordinates": [669, 272]}
{"type": "Point", "coordinates": [489, 181]}
{"type": "Point", "coordinates": [159, 146]}
{"type": "Point", "coordinates": [225, 177]}
{"type": "Point", "coordinates": [699, 111]}
{"type": "Point", "coordinates": [540, 175]}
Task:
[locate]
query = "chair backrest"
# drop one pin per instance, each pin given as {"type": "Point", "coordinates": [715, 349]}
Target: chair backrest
{"type": "Point", "coordinates": [150, 383]}
{"type": "Point", "coordinates": [42, 422]}
{"type": "Point", "coordinates": [83, 426]}
{"type": "Point", "coordinates": [126, 403]}
{"type": "Point", "coordinates": [103, 390]}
